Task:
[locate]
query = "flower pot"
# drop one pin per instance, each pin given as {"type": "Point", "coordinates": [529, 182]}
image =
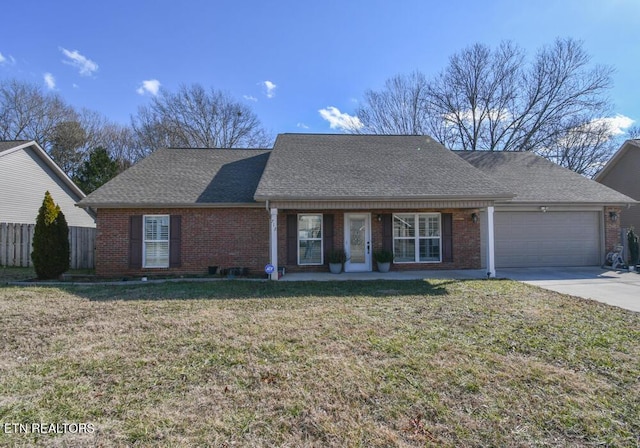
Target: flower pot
{"type": "Point", "coordinates": [384, 267]}
{"type": "Point", "coordinates": [335, 268]}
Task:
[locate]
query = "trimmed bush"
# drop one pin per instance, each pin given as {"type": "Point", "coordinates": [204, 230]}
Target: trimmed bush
{"type": "Point", "coordinates": [50, 254]}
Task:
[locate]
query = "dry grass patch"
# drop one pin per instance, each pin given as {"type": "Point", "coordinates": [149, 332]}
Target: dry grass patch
{"type": "Point", "coordinates": [443, 363]}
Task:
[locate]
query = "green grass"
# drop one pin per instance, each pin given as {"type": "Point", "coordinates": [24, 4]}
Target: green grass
{"type": "Point", "coordinates": [381, 363]}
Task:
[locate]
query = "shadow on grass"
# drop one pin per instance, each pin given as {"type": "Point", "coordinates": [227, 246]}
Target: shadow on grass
{"type": "Point", "coordinates": [239, 289]}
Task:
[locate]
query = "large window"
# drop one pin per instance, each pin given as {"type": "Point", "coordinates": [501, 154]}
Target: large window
{"type": "Point", "coordinates": [156, 241]}
{"type": "Point", "coordinates": [310, 239]}
{"type": "Point", "coordinates": [416, 238]}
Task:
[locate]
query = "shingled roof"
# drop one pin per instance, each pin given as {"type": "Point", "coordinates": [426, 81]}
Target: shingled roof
{"type": "Point", "coordinates": [185, 177]}
{"type": "Point", "coordinates": [10, 144]}
{"type": "Point", "coordinates": [534, 179]}
{"type": "Point", "coordinates": [363, 167]}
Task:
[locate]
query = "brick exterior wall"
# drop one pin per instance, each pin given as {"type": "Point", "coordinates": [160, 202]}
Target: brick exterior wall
{"type": "Point", "coordinates": [233, 237]}
{"type": "Point", "coordinates": [466, 239]}
{"type": "Point", "coordinates": [611, 229]}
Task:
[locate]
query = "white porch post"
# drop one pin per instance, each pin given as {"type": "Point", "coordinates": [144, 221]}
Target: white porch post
{"type": "Point", "coordinates": [491, 262]}
{"type": "Point", "coordinates": [273, 241]}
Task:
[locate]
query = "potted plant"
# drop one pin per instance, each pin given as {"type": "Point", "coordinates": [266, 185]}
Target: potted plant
{"type": "Point", "coordinates": [384, 258]}
{"type": "Point", "coordinates": [336, 258]}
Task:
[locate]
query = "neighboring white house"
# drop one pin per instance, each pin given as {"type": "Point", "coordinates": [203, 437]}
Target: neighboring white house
{"type": "Point", "coordinates": [26, 173]}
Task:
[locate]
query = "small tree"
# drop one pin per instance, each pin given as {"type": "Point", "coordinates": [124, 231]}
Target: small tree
{"type": "Point", "coordinates": [99, 169]}
{"type": "Point", "coordinates": [632, 240]}
{"type": "Point", "coordinates": [50, 254]}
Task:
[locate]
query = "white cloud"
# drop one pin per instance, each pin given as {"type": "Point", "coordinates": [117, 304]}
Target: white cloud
{"type": "Point", "coordinates": [151, 86]}
{"type": "Point", "coordinates": [340, 120]}
{"type": "Point", "coordinates": [8, 61]}
{"type": "Point", "coordinates": [617, 125]}
{"type": "Point", "coordinates": [250, 98]}
{"type": "Point", "coordinates": [270, 88]}
{"type": "Point", "coordinates": [302, 126]}
{"type": "Point", "coordinates": [50, 81]}
{"type": "Point", "coordinates": [86, 66]}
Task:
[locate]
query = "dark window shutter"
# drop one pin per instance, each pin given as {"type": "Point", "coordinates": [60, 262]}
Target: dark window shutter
{"type": "Point", "coordinates": [327, 230]}
{"type": "Point", "coordinates": [135, 241]}
{"type": "Point", "coordinates": [387, 232]}
{"type": "Point", "coordinates": [292, 239]}
{"type": "Point", "coordinates": [447, 237]}
{"type": "Point", "coordinates": [175, 241]}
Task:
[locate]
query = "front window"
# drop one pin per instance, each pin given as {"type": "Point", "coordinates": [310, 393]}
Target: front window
{"type": "Point", "coordinates": [416, 238]}
{"type": "Point", "coordinates": [310, 239]}
{"type": "Point", "coordinates": [156, 241]}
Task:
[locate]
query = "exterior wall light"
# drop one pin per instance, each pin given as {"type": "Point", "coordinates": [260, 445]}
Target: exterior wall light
{"type": "Point", "coordinates": [474, 217]}
{"type": "Point", "coordinates": [613, 216]}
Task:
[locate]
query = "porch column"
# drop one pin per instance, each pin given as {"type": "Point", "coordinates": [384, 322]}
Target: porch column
{"type": "Point", "coordinates": [273, 241]}
{"type": "Point", "coordinates": [491, 262]}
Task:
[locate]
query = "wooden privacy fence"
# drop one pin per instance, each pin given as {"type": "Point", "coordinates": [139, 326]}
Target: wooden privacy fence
{"type": "Point", "coordinates": [16, 241]}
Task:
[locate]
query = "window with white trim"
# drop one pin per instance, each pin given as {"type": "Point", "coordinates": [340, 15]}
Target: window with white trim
{"type": "Point", "coordinates": [417, 238]}
{"type": "Point", "coordinates": [155, 239]}
{"type": "Point", "coordinates": [310, 240]}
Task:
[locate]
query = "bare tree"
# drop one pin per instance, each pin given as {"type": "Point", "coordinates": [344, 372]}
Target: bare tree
{"type": "Point", "coordinates": [28, 113]}
{"type": "Point", "coordinates": [496, 100]}
{"type": "Point", "coordinates": [194, 117]}
{"type": "Point", "coordinates": [585, 148]}
{"type": "Point", "coordinates": [634, 132]}
{"type": "Point", "coordinates": [397, 109]}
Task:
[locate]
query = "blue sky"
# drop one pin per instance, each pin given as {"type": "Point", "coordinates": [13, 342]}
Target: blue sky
{"type": "Point", "coordinates": [289, 60]}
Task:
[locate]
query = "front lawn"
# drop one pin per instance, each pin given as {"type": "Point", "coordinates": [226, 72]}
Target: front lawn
{"type": "Point", "coordinates": [382, 363]}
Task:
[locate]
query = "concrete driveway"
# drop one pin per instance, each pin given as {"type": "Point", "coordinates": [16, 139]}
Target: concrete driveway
{"type": "Point", "coordinates": [618, 288]}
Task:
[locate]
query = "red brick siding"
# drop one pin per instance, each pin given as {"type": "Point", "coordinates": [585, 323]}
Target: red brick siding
{"type": "Point", "coordinates": [466, 239]}
{"type": "Point", "coordinates": [233, 237]}
{"type": "Point", "coordinates": [611, 228]}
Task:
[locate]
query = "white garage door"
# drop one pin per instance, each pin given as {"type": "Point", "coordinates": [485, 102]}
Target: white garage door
{"type": "Point", "coordinates": [532, 239]}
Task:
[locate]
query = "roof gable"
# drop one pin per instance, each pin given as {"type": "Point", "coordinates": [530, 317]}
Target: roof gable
{"type": "Point", "coordinates": [629, 145]}
{"type": "Point", "coordinates": [8, 147]}
{"type": "Point", "coordinates": [343, 167]}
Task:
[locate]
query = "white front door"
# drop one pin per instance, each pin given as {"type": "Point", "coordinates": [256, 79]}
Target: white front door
{"type": "Point", "coordinates": [357, 242]}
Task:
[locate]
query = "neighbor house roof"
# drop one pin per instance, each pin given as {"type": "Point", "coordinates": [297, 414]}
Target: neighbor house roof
{"type": "Point", "coordinates": [633, 144]}
{"type": "Point", "coordinates": [5, 145]}
{"type": "Point", "coordinates": [370, 167]}
{"type": "Point", "coordinates": [9, 146]}
{"type": "Point", "coordinates": [534, 179]}
{"type": "Point", "coordinates": [185, 177]}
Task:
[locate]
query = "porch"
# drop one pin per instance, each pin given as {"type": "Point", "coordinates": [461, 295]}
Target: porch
{"type": "Point", "coordinates": [458, 274]}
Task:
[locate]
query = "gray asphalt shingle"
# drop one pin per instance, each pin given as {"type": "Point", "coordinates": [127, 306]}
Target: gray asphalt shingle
{"type": "Point", "coordinates": [315, 166]}
{"type": "Point", "coordinates": [534, 179]}
{"type": "Point", "coordinates": [177, 176]}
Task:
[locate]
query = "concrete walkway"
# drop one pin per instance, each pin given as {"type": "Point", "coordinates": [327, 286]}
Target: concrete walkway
{"type": "Point", "coordinates": [617, 288]}
{"type": "Point", "coordinates": [461, 274]}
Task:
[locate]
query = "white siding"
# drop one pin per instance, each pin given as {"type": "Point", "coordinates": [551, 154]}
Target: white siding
{"type": "Point", "coordinates": [24, 178]}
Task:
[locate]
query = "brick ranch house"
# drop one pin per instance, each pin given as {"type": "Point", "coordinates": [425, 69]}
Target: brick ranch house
{"type": "Point", "coordinates": [181, 210]}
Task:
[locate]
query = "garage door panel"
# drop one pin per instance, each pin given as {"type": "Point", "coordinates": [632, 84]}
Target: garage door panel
{"type": "Point", "coordinates": [530, 239]}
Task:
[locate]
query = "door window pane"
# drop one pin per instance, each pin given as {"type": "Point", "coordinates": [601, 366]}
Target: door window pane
{"type": "Point", "coordinates": [357, 236]}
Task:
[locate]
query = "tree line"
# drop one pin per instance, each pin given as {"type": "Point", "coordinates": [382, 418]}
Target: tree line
{"type": "Point", "coordinates": [485, 98]}
{"type": "Point", "coordinates": [91, 149]}
{"type": "Point", "coordinates": [554, 104]}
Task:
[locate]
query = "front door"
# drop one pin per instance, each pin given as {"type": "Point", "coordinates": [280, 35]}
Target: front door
{"type": "Point", "coordinates": [357, 242]}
